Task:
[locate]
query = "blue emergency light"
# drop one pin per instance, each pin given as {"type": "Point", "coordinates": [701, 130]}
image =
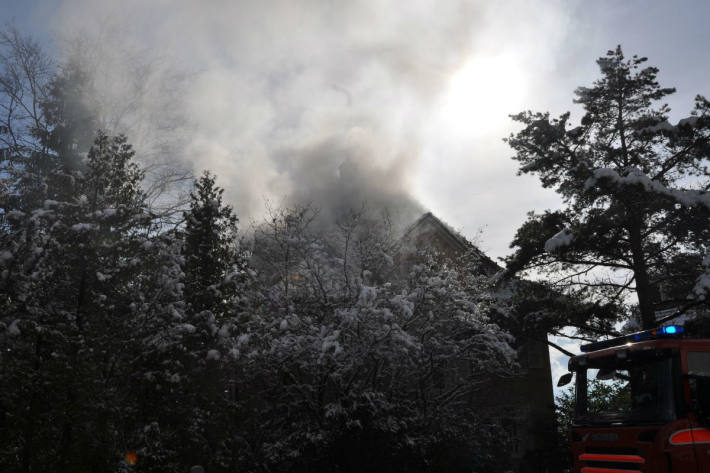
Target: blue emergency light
{"type": "Point", "coordinates": [667, 331]}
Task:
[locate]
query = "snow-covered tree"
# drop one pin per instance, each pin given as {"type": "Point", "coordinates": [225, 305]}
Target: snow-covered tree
{"type": "Point", "coordinates": [198, 368]}
{"type": "Point", "coordinates": [634, 187]}
{"type": "Point", "coordinates": [71, 121]}
{"type": "Point", "coordinates": [380, 377]}
{"type": "Point", "coordinates": [26, 72]}
{"type": "Point", "coordinates": [210, 250]}
{"type": "Point", "coordinates": [70, 270]}
{"type": "Point", "coordinates": [107, 352]}
{"type": "Point", "coordinates": [120, 334]}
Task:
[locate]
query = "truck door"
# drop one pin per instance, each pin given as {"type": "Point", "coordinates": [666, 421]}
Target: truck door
{"type": "Point", "coordinates": [698, 363]}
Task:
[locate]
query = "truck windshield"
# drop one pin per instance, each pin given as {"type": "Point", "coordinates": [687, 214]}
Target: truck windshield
{"type": "Point", "coordinates": [635, 390]}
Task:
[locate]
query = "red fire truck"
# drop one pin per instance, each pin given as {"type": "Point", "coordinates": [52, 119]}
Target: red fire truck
{"type": "Point", "coordinates": [642, 404]}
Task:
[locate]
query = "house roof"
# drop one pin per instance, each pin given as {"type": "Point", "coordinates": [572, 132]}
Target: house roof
{"type": "Point", "coordinates": [432, 226]}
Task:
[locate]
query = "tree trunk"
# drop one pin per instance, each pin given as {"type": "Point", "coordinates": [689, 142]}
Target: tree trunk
{"type": "Point", "coordinates": [644, 291]}
{"type": "Point", "coordinates": [643, 286]}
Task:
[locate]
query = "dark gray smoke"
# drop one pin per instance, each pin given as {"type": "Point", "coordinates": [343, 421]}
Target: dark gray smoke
{"type": "Point", "coordinates": [341, 175]}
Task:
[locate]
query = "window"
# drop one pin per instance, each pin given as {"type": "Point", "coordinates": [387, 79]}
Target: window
{"type": "Point", "coordinates": [634, 390]}
{"type": "Point", "coordinates": [699, 373]}
{"type": "Point", "coordinates": [699, 363]}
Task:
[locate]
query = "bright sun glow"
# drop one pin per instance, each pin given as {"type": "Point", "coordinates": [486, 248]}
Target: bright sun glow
{"type": "Point", "coordinates": [481, 95]}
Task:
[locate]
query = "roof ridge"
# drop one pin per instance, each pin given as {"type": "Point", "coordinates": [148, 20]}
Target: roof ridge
{"type": "Point", "coordinates": [455, 235]}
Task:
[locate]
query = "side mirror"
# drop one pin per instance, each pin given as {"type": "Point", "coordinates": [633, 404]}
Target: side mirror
{"type": "Point", "coordinates": [605, 374]}
{"type": "Point", "coordinates": [565, 379]}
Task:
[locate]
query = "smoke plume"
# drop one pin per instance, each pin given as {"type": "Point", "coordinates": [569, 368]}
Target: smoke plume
{"type": "Point", "coordinates": [319, 102]}
{"type": "Point", "coordinates": [291, 102]}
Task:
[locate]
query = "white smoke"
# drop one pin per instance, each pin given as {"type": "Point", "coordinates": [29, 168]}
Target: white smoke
{"type": "Point", "coordinates": [279, 97]}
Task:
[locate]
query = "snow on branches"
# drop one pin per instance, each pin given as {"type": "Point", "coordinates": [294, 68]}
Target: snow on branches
{"type": "Point", "coordinates": [635, 177]}
{"type": "Point", "coordinates": [560, 240]}
{"type": "Point", "coordinates": [634, 189]}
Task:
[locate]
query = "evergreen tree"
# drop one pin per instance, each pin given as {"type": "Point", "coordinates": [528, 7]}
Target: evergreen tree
{"type": "Point", "coordinates": [70, 270]}
{"type": "Point", "coordinates": [25, 160]}
{"type": "Point", "coordinates": [634, 188]}
{"type": "Point", "coordinates": [210, 249]}
{"type": "Point", "coordinates": [47, 124]}
{"type": "Point", "coordinates": [214, 274]}
{"type": "Point", "coordinates": [71, 121]}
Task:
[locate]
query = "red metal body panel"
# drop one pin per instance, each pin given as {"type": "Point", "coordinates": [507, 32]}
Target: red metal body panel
{"type": "Point", "coordinates": [590, 469]}
{"type": "Point", "coordinates": [612, 458]}
{"type": "Point", "coordinates": [700, 435]}
{"type": "Point", "coordinates": [657, 456]}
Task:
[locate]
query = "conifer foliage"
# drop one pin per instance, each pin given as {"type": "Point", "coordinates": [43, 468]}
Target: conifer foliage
{"type": "Point", "coordinates": [70, 269]}
{"type": "Point", "coordinates": [635, 192]}
{"type": "Point", "coordinates": [210, 244]}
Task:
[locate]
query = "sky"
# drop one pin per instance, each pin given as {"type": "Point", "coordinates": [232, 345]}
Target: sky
{"type": "Point", "coordinates": [284, 100]}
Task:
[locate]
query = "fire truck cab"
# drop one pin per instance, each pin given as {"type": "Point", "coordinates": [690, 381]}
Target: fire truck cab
{"type": "Point", "coordinates": [642, 404]}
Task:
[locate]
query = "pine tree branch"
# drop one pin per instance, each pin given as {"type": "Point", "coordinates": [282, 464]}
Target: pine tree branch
{"type": "Point", "coordinates": [573, 337]}
{"type": "Point", "coordinates": [678, 312]}
{"type": "Point", "coordinates": [607, 264]}
{"type": "Point", "coordinates": [591, 284]}
{"type": "Point", "coordinates": [570, 276]}
{"type": "Point", "coordinates": [604, 333]}
{"type": "Point", "coordinates": [559, 348]}
{"type": "Point", "coordinates": [675, 159]}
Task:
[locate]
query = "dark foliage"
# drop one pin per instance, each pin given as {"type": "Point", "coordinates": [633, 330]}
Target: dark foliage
{"type": "Point", "coordinates": [635, 190]}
